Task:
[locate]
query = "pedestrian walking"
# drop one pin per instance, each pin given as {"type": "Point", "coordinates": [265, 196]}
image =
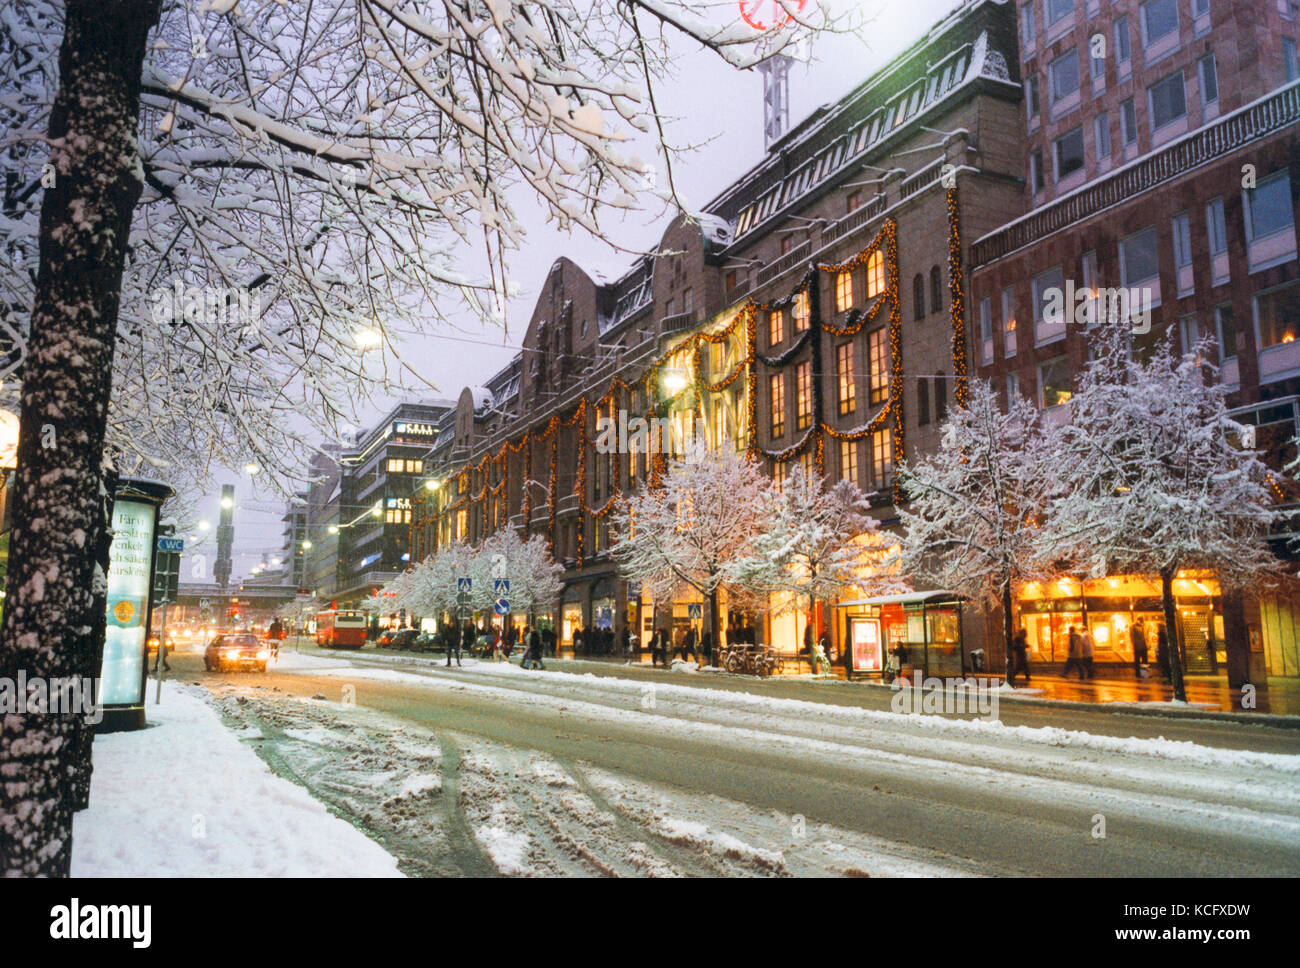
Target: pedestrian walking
{"type": "Point", "coordinates": [624, 641]}
{"type": "Point", "coordinates": [453, 643]}
{"type": "Point", "coordinates": [1162, 654]}
{"type": "Point", "coordinates": [706, 648]}
{"type": "Point", "coordinates": [512, 638]}
{"type": "Point", "coordinates": [1139, 640]}
{"type": "Point", "coordinates": [659, 648]}
{"type": "Point", "coordinates": [1018, 659]}
{"type": "Point", "coordinates": [1086, 646]}
{"type": "Point", "coordinates": [1073, 654]}
{"type": "Point", "coordinates": [533, 653]}
{"type": "Point", "coordinates": [688, 646]}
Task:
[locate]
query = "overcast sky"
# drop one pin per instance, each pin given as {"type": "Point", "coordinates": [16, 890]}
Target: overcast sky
{"type": "Point", "coordinates": [715, 107]}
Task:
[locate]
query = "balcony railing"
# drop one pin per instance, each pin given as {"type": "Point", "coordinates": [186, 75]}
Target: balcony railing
{"type": "Point", "coordinates": [780, 266]}
{"type": "Point", "coordinates": [854, 220]}
{"type": "Point", "coordinates": [1229, 133]}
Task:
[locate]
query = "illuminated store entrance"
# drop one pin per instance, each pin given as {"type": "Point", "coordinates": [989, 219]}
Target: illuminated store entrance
{"type": "Point", "coordinates": [1111, 608]}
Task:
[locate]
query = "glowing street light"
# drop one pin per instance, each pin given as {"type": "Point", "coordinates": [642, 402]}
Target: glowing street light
{"type": "Point", "coordinates": [227, 503]}
{"type": "Point", "coordinates": [674, 380]}
{"type": "Point", "coordinates": [306, 545]}
{"type": "Point", "coordinates": [251, 469]}
{"type": "Point", "coordinates": [367, 338]}
{"type": "Point", "coordinates": [432, 485]}
{"type": "Point", "coordinates": [334, 529]}
{"type": "Point", "coordinates": [205, 525]}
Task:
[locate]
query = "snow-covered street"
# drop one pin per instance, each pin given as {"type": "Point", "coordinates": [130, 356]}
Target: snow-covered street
{"type": "Point", "coordinates": [489, 769]}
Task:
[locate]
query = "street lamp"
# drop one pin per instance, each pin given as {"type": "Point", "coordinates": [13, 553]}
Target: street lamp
{"type": "Point", "coordinates": [306, 545]}
{"type": "Point", "coordinates": [432, 485]}
{"type": "Point", "coordinates": [251, 469]}
{"type": "Point", "coordinates": [674, 379]}
{"type": "Point", "coordinates": [205, 525]}
{"type": "Point", "coordinates": [227, 503]}
{"type": "Point", "coordinates": [334, 529]}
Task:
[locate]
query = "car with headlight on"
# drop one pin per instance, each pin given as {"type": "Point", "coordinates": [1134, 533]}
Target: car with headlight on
{"type": "Point", "coordinates": [236, 650]}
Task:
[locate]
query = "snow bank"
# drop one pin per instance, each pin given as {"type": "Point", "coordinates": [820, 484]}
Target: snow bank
{"type": "Point", "coordinates": [186, 798]}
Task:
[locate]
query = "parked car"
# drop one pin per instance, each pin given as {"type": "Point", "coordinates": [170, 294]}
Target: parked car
{"type": "Point", "coordinates": [403, 639]}
{"type": "Point", "coordinates": [237, 650]}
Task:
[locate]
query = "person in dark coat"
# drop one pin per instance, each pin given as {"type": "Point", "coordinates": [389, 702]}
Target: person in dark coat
{"type": "Point", "coordinates": [1162, 654]}
{"type": "Point", "coordinates": [624, 641]}
{"type": "Point", "coordinates": [1074, 654]}
{"type": "Point", "coordinates": [533, 655]}
{"type": "Point", "coordinates": [706, 648]}
{"type": "Point", "coordinates": [1018, 659]}
{"type": "Point", "coordinates": [511, 640]}
{"type": "Point", "coordinates": [1140, 653]}
{"type": "Point", "coordinates": [688, 645]}
{"type": "Point", "coordinates": [659, 648]}
{"type": "Point", "coordinates": [453, 642]}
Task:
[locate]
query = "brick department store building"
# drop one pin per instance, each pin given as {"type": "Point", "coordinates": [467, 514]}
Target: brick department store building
{"type": "Point", "coordinates": [828, 305]}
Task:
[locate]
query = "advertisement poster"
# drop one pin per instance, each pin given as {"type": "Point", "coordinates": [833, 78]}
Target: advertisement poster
{"type": "Point", "coordinates": [866, 645]}
{"type": "Point", "coordinates": [129, 562]}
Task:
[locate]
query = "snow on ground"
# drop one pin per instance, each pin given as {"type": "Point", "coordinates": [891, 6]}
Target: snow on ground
{"type": "Point", "coordinates": [185, 798]}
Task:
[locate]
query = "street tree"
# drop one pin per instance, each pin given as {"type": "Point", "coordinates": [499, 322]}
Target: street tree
{"type": "Point", "coordinates": [1154, 475]}
{"type": "Point", "coordinates": [320, 164]}
{"type": "Point", "coordinates": [532, 571]}
{"type": "Point", "coordinates": [816, 543]}
{"type": "Point", "coordinates": [691, 533]}
{"type": "Point", "coordinates": [975, 506]}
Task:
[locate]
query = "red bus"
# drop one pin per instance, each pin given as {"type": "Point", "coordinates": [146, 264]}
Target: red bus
{"type": "Point", "coordinates": [341, 629]}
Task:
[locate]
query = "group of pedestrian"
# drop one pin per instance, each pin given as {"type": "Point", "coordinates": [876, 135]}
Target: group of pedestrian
{"type": "Point", "coordinates": [1078, 653]}
{"type": "Point", "coordinates": [599, 641]}
{"type": "Point", "coordinates": [1080, 647]}
{"type": "Point", "coordinates": [532, 657]}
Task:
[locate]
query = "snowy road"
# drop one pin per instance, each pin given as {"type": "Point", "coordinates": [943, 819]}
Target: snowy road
{"type": "Point", "coordinates": [487, 768]}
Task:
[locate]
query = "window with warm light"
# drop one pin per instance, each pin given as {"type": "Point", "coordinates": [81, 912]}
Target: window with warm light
{"type": "Point", "coordinates": [803, 395]}
{"type": "Point", "coordinates": [878, 365]}
{"type": "Point", "coordinates": [775, 327]}
{"type": "Point", "coordinates": [849, 460]}
{"type": "Point", "coordinates": [1278, 315]}
{"type": "Point", "coordinates": [843, 291]}
{"type": "Point", "coordinates": [844, 368]}
{"type": "Point", "coordinates": [801, 311]}
{"type": "Point", "coordinates": [875, 274]}
{"type": "Point", "coordinates": [882, 458]}
{"type": "Point", "coordinates": [776, 394]}
{"type": "Point", "coordinates": [778, 474]}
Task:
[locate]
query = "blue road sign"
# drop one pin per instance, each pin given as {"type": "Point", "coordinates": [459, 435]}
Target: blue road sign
{"type": "Point", "coordinates": [695, 611]}
{"type": "Point", "coordinates": [501, 606]}
{"type": "Point", "coordinates": [500, 586]}
{"type": "Point", "coordinates": [464, 584]}
{"type": "Point", "coordinates": [173, 545]}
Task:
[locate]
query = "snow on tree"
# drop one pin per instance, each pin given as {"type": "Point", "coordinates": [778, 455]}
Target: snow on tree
{"type": "Point", "coordinates": [532, 571]}
{"type": "Point", "coordinates": [974, 506]}
{"type": "Point", "coordinates": [816, 543]}
{"type": "Point", "coordinates": [1154, 477]}
{"type": "Point", "coordinates": [691, 532]}
{"type": "Point", "coordinates": [321, 164]}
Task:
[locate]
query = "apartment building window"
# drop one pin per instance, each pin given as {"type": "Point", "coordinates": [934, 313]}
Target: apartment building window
{"type": "Point", "coordinates": [1069, 153]}
{"type": "Point", "coordinates": [882, 458]}
{"type": "Point", "coordinates": [730, 279]}
{"type": "Point", "coordinates": [1182, 232]}
{"type": "Point", "coordinates": [986, 331]}
{"type": "Point", "coordinates": [1046, 284]}
{"type": "Point", "coordinates": [688, 300]}
{"type": "Point", "coordinates": [940, 397]}
{"type": "Point", "coordinates": [670, 307]}
{"type": "Point", "coordinates": [719, 423]}
{"type": "Point", "coordinates": [1277, 316]}
{"type": "Point", "coordinates": [843, 291]}
{"type": "Point", "coordinates": [801, 313]}
{"type": "Point", "coordinates": [1123, 45]}
{"type": "Point", "coordinates": [1036, 182]}
{"type": "Point", "coordinates": [787, 243]}
{"type": "Point", "coordinates": [778, 475]}
{"type": "Point", "coordinates": [1027, 25]}
{"type": "Point", "coordinates": [918, 296]}
{"type": "Point", "coordinates": [1031, 100]}
{"type": "Point", "coordinates": [1139, 263]}
{"type": "Point", "coordinates": [922, 401]}
{"type": "Point", "coordinates": [1225, 323]}
{"type": "Point", "coordinates": [1128, 122]}
{"type": "Point", "coordinates": [1284, 7]}
{"type": "Point", "coordinates": [878, 365]}
{"type": "Point", "coordinates": [1054, 383]}
{"type": "Point", "coordinates": [844, 371]}
{"type": "Point", "coordinates": [1209, 74]}
{"type": "Point", "coordinates": [853, 202]}
{"type": "Point", "coordinates": [936, 288]}
{"type": "Point", "coordinates": [1013, 388]}
{"type": "Point", "coordinates": [1290, 63]}
{"type": "Point", "coordinates": [849, 460]}
{"type": "Point", "coordinates": [1058, 10]}
{"type": "Point", "coordinates": [1159, 20]}
{"type": "Point", "coordinates": [875, 274]}
{"type": "Point", "coordinates": [1268, 206]}
{"type": "Point", "coordinates": [1063, 74]}
{"type": "Point", "coordinates": [1101, 135]}
{"type": "Point", "coordinates": [803, 394]}
{"type": "Point", "coordinates": [1167, 100]}
{"type": "Point", "coordinates": [1216, 227]}
{"type": "Point", "coordinates": [1200, 8]}
{"type": "Point", "coordinates": [1009, 321]}
{"type": "Point", "coordinates": [806, 464]}
{"type": "Point", "coordinates": [776, 395]}
{"type": "Point", "coordinates": [1190, 331]}
{"type": "Point", "coordinates": [1201, 16]}
{"type": "Point", "coordinates": [775, 327]}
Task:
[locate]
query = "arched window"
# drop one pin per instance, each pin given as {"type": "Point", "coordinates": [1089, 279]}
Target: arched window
{"type": "Point", "coordinates": [936, 289]}
{"type": "Point", "coordinates": [918, 296]}
{"type": "Point", "coordinates": [843, 291]}
{"type": "Point", "coordinates": [875, 274]}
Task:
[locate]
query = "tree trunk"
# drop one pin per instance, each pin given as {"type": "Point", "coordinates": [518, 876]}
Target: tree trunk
{"type": "Point", "coordinates": [1008, 634]}
{"type": "Point", "coordinates": [1171, 632]}
{"type": "Point", "coordinates": [715, 622]}
{"type": "Point", "coordinates": [58, 519]}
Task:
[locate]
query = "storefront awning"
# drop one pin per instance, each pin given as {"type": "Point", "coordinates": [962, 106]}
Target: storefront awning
{"type": "Point", "coordinates": [911, 598]}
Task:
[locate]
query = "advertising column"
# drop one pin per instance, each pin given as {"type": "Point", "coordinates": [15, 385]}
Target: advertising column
{"type": "Point", "coordinates": [130, 576]}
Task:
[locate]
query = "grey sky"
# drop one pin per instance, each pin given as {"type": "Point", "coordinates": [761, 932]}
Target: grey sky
{"type": "Point", "coordinates": [715, 107]}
